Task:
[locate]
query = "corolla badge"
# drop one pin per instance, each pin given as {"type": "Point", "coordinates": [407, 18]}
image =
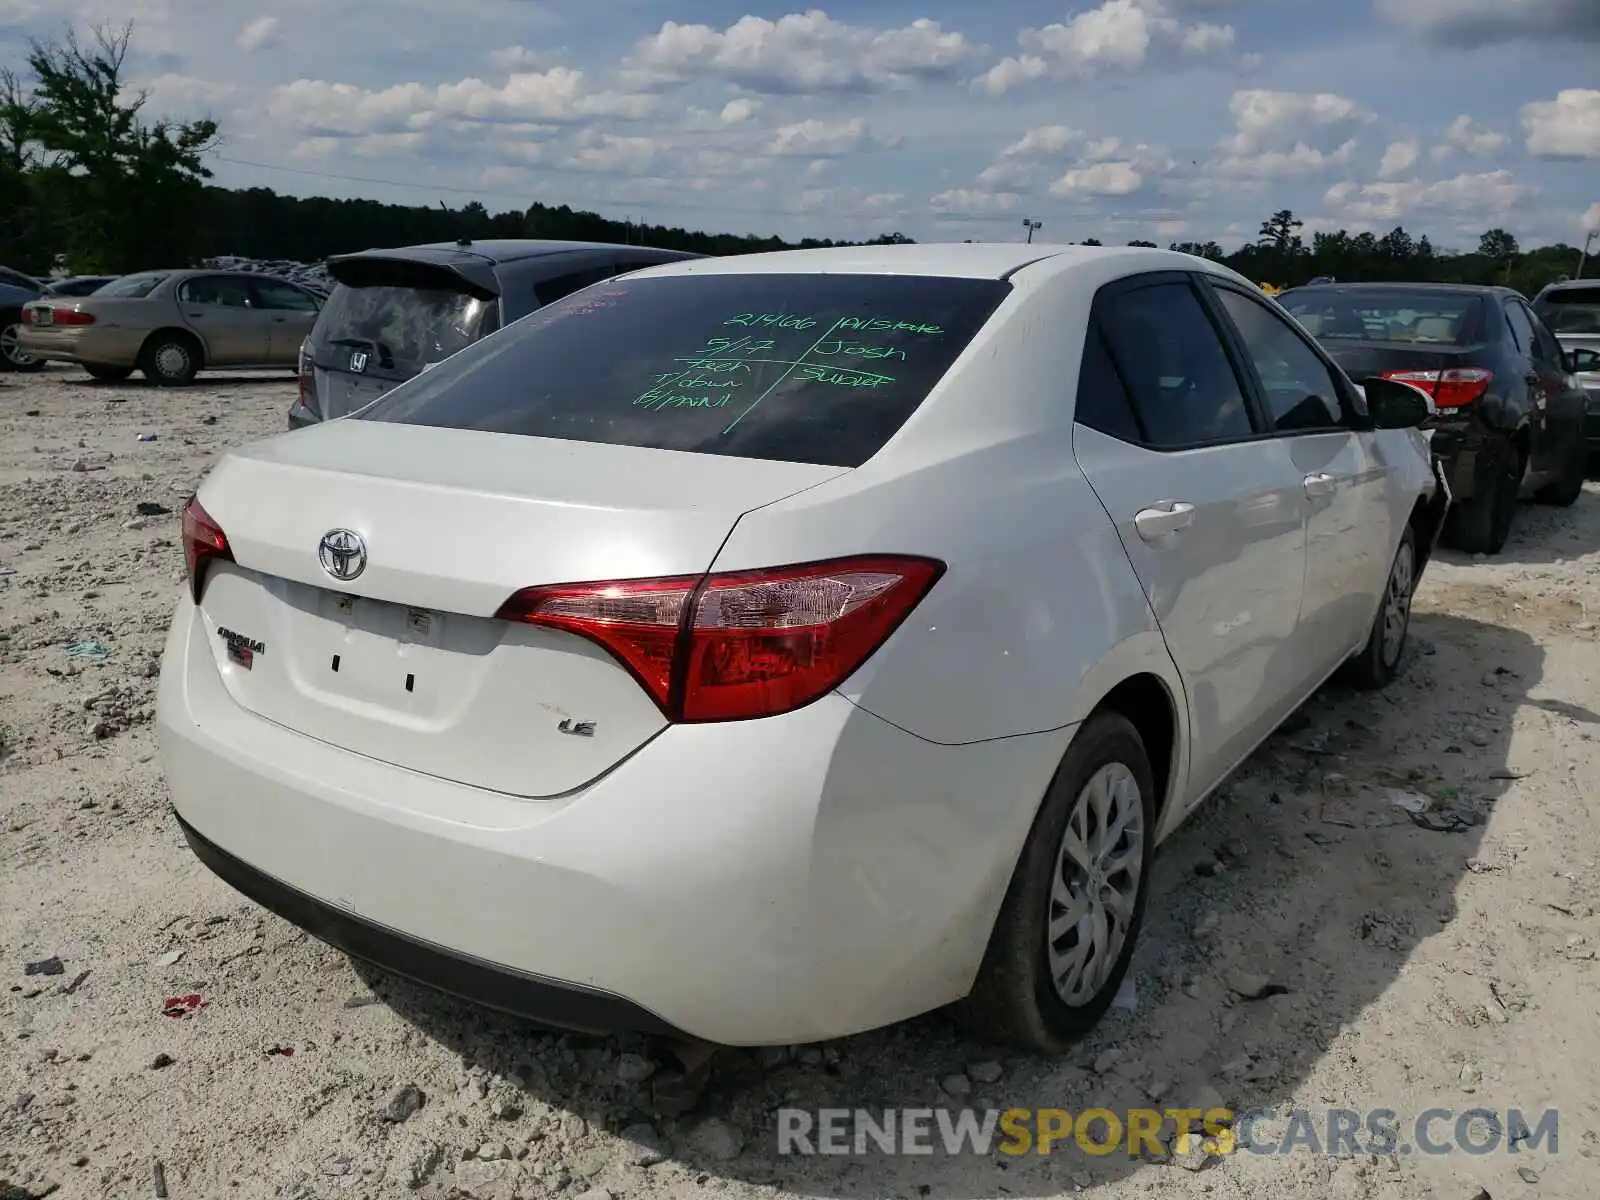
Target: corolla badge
{"type": "Point", "coordinates": [358, 361]}
{"type": "Point", "coordinates": [342, 554]}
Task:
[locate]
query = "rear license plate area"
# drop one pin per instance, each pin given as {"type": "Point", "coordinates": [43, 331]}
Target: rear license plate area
{"type": "Point", "coordinates": [44, 317]}
{"type": "Point", "coordinates": [376, 650]}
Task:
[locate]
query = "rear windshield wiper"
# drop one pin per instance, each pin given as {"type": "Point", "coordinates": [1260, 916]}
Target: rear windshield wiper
{"type": "Point", "coordinates": [385, 355]}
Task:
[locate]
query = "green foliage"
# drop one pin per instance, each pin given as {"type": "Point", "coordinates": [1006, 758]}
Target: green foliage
{"type": "Point", "coordinates": [84, 172]}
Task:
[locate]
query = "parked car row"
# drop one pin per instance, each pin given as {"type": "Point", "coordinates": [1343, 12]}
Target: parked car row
{"type": "Point", "coordinates": [764, 649]}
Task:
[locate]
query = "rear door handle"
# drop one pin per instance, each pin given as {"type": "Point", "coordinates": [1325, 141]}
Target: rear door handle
{"type": "Point", "coordinates": [1320, 483]}
{"type": "Point", "coordinates": [1163, 518]}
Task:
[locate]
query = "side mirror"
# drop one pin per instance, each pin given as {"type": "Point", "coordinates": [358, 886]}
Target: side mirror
{"type": "Point", "coordinates": [1583, 361]}
{"type": "Point", "coordinates": [1395, 405]}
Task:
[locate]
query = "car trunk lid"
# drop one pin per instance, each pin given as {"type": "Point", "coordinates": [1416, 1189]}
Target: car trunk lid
{"type": "Point", "coordinates": [1365, 359]}
{"type": "Point", "coordinates": [406, 662]}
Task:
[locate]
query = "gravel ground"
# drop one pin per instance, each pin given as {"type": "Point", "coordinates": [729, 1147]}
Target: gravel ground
{"type": "Point", "coordinates": [1444, 962]}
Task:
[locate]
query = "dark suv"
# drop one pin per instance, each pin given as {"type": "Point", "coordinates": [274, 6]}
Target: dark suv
{"type": "Point", "coordinates": [394, 313]}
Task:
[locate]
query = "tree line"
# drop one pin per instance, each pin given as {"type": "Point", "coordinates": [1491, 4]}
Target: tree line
{"type": "Point", "coordinates": [86, 173]}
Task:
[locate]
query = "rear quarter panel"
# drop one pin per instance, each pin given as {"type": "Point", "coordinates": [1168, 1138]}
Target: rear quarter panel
{"type": "Point", "coordinates": [1039, 614]}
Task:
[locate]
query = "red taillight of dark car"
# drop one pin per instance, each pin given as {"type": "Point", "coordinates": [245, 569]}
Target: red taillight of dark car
{"type": "Point", "coordinates": [1453, 387]}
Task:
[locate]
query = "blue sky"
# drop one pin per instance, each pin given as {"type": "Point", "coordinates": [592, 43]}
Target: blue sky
{"type": "Point", "coordinates": [1118, 119]}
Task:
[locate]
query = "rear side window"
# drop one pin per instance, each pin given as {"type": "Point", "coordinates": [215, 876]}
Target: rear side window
{"type": "Point", "coordinates": [1521, 328]}
{"type": "Point", "coordinates": [401, 328]}
{"type": "Point", "coordinates": [790, 367]}
{"type": "Point", "coordinates": [1103, 403]}
{"type": "Point", "coordinates": [1183, 385]}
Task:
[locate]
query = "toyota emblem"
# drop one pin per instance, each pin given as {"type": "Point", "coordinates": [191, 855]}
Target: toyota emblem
{"type": "Point", "coordinates": [342, 554]}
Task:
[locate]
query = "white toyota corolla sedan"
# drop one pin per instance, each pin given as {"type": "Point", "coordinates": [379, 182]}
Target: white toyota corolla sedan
{"type": "Point", "coordinates": [764, 649]}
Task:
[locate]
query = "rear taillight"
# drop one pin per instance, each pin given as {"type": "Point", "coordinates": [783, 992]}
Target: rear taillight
{"type": "Point", "coordinates": [70, 316]}
{"type": "Point", "coordinates": [1452, 387]}
{"type": "Point", "coordinates": [308, 381]}
{"type": "Point", "coordinates": [203, 543]}
{"type": "Point", "coordinates": [742, 644]}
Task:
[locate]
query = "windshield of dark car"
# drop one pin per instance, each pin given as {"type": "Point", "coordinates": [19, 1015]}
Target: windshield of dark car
{"type": "Point", "coordinates": [134, 287]}
{"type": "Point", "coordinates": [795, 367]}
{"type": "Point", "coordinates": [1386, 315]}
{"type": "Point", "coordinates": [404, 329]}
{"type": "Point", "coordinates": [1571, 310]}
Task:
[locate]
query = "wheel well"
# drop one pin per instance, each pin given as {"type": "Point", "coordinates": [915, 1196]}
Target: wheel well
{"type": "Point", "coordinates": [1422, 531]}
{"type": "Point", "coordinates": [1145, 701]}
{"type": "Point", "coordinates": [1523, 441]}
{"type": "Point", "coordinates": [172, 331]}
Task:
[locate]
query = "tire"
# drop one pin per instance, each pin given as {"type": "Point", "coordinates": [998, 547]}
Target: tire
{"type": "Point", "coordinates": [1379, 660]}
{"type": "Point", "coordinates": [11, 356]}
{"type": "Point", "coordinates": [1482, 524]}
{"type": "Point", "coordinates": [107, 374]}
{"type": "Point", "coordinates": [1565, 490]}
{"type": "Point", "coordinates": [1015, 999]}
{"type": "Point", "coordinates": [170, 360]}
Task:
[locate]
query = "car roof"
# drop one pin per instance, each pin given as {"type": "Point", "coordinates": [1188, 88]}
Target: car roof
{"type": "Point", "coordinates": [1390, 285]}
{"type": "Point", "coordinates": [1570, 284]}
{"type": "Point", "coordinates": [958, 260]}
{"type": "Point", "coordinates": [497, 250]}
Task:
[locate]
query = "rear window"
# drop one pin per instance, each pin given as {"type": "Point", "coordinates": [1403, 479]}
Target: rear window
{"type": "Point", "coordinates": [403, 329]}
{"type": "Point", "coordinates": [1571, 310]}
{"type": "Point", "coordinates": [791, 367]}
{"type": "Point", "coordinates": [1390, 315]}
{"type": "Point", "coordinates": [134, 287]}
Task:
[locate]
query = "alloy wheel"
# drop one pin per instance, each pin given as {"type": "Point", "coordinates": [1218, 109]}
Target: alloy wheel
{"type": "Point", "coordinates": [11, 347]}
{"type": "Point", "coordinates": [1095, 887]}
{"type": "Point", "coordinates": [1397, 602]}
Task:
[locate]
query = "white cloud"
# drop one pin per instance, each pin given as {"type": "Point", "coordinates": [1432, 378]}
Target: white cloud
{"type": "Point", "coordinates": [739, 110]}
{"type": "Point", "coordinates": [1466, 134]}
{"type": "Point", "coordinates": [260, 34]}
{"type": "Point", "coordinates": [821, 139]}
{"type": "Point", "coordinates": [1495, 193]}
{"type": "Point", "coordinates": [1399, 159]}
{"type": "Point", "coordinates": [1590, 221]}
{"type": "Point", "coordinates": [1119, 34]}
{"type": "Point", "coordinates": [974, 200]}
{"type": "Point", "coordinates": [514, 58]}
{"type": "Point", "coordinates": [1100, 179]}
{"type": "Point", "coordinates": [799, 53]}
{"type": "Point", "coordinates": [1287, 134]}
{"type": "Point", "coordinates": [1566, 127]}
{"type": "Point", "coordinates": [1473, 23]}
{"type": "Point", "coordinates": [184, 96]}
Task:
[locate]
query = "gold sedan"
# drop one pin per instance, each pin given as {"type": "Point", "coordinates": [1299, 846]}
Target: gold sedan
{"type": "Point", "coordinates": [172, 324]}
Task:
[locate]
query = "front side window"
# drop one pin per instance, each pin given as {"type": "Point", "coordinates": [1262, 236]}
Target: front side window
{"type": "Point", "coordinates": [270, 293]}
{"type": "Point", "coordinates": [224, 290]}
{"type": "Point", "coordinates": [788, 366]}
{"type": "Point", "coordinates": [1298, 387]}
{"type": "Point", "coordinates": [1169, 354]}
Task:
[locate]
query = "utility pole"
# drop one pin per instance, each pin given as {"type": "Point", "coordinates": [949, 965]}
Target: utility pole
{"type": "Point", "coordinates": [1030, 226]}
{"type": "Point", "coordinates": [1583, 255]}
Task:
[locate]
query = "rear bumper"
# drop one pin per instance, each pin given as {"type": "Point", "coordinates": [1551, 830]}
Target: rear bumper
{"type": "Point", "coordinates": [560, 1004]}
{"type": "Point", "coordinates": [749, 883]}
{"type": "Point", "coordinates": [83, 344]}
{"type": "Point", "coordinates": [300, 416]}
{"type": "Point", "coordinates": [1462, 447]}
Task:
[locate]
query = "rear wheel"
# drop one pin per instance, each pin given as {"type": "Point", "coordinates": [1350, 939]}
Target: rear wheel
{"type": "Point", "coordinates": [1568, 486]}
{"type": "Point", "coordinates": [12, 357]}
{"type": "Point", "coordinates": [170, 360]}
{"type": "Point", "coordinates": [1482, 524]}
{"type": "Point", "coordinates": [1067, 927]}
{"type": "Point", "coordinates": [107, 374]}
{"type": "Point", "coordinates": [1379, 659]}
